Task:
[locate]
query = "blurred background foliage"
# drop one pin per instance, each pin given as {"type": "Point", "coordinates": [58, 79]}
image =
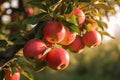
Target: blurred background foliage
{"type": "Point", "coordinates": [100, 63]}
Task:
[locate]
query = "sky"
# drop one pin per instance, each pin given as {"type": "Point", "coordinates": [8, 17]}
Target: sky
{"type": "Point", "coordinates": [113, 24]}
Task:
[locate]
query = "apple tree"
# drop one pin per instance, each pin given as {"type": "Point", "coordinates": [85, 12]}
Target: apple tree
{"type": "Point", "coordinates": [39, 33]}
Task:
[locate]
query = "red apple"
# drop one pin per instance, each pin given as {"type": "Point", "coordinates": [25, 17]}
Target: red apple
{"type": "Point", "coordinates": [33, 50]}
{"type": "Point", "coordinates": [16, 75]}
{"type": "Point", "coordinates": [79, 14]}
{"type": "Point", "coordinates": [69, 37]}
{"type": "Point", "coordinates": [57, 59]}
{"type": "Point", "coordinates": [91, 38]}
{"type": "Point", "coordinates": [77, 45]}
{"type": "Point", "coordinates": [30, 11]}
{"type": "Point", "coordinates": [54, 32]}
{"type": "Point", "coordinates": [7, 74]}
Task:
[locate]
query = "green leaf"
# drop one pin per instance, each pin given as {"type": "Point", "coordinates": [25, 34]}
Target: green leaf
{"type": "Point", "coordinates": [14, 36]}
{"type": "Point", "coordinates": [30, 20]}
{"type": "Point", "coordinates": [71, 26]}
{"type": "Point", "coordinates": [3, 43]}
{"type": "Point", "coordinates": [84, 0]}
{"type": "Point", "coordinates": [19, 41]}
{"type": "Point", "coordinates": [100, 24]}
{"type": "Point", "coordinates": [2, 74]}
{"type": "Point", "coordinates": [69, 8]}
{"type": "Point", "coordinates": [23, 61]}
{"type": "Point", "coordinates": [103, 6]}
{"type": "Point", "coordinates": [40, 66]}
{"type": "Point", "coordinates": [40, 4]}
{"type": "Point", "coordinates": [54, 1]}
{"type": "Point", "coordinates": [104, 24]}
{"type": "Point", "coordinates": [27, 74]}
{"type": "Point", "coordinates": [74, 28]}
{"type": "Point", "coordinates": [34, 19]}
{"type": "Point", "coordinates": [39, 27]}
{"type": "Point", "coordinates": [41, 15]}
{"type": "Point", "coordinates": [88, 27]}
{"type": "Point", "coordinates": [106, 34]}
{"type": "Point", "coordinates": [73, 19]}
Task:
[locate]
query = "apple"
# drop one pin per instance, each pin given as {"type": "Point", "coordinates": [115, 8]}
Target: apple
{"type": "Point", "coordinates": [77, 45]}
{"type": "Point", "coordinates": [16, 75]}
{"type": "Point", "coordinates": [57, 59]}
{"type": "Point", "coordinates": [79, 14]}
{"type": "Point", "coordinates": [30, 11]}
{"type": "Point", "coordinates": [69, 37]}
{"type": "Point", "coordinates": [54, 32]}
{"type": "Point", "coordinates": [33, 50]}
{"type": "Point", "coordinates": [91, 38]}
{"type": "Point", "coordinates": [7, 74]}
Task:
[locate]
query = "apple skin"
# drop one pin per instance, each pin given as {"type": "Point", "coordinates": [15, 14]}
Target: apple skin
{"type": "Point", "coordinates": [30, 11]}
{"type": "Point", "coordinates": [16, 75]}
{"type": "Point", "coordinates": [77, 45]}
{"type": "Point", "coordinates": [33, 50]}
{"type": "Point", "coordinates": [92, 38]}
{"type": "Point", "coordinates": [7, 74]}
{"type": "Point", "coordinates": [54, 32]}
{"type": "Point", "coordinates": [58, 59]}
{"type": "Point", "coordinates": [69, 37]}
{"type": "Point", "coordinates": [80, 14]}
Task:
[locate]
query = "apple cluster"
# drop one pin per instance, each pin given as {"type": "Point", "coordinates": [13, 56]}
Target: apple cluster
{"type": "Point", "coordinates": [56, 35]}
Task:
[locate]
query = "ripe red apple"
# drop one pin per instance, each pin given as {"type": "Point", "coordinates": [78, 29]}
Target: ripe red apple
{"type": "Point", "coordinates": [79, 14]}
{"type": "Point", "coordinates": [57, 59]}
{"type": "Point", "coordinates": [33, 50]}
{"type": "Point", "coordinates": [54, 32]}
{"type": "Point", "coordinates": [7, 74]}
{"type": "Point", "coordinates": [77, 45]}
{"type": "Point", "coordinates": [91, 38]}
{"type": "Point", "coordinates": [69, 37]}
{"type": "Point", "coordinates": [16, 75]}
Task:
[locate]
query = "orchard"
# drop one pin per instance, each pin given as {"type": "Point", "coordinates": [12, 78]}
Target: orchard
{"type": "Point", "coordinates": [44, 33]}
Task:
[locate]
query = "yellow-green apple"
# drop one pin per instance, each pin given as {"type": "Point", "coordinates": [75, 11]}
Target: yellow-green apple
{"type": "Point", "coordinates": [58, 59]}
{"type": "Point", "coordinates": [33, 50]}
{"type": "Point", "coordinates": [54, 32]}
{"type": "Point", "coordinates": [69, 37]}
{"type": "Point", "coordinates": [77, 45]}
{"type": "Point", "coordinates": [91, 38]}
